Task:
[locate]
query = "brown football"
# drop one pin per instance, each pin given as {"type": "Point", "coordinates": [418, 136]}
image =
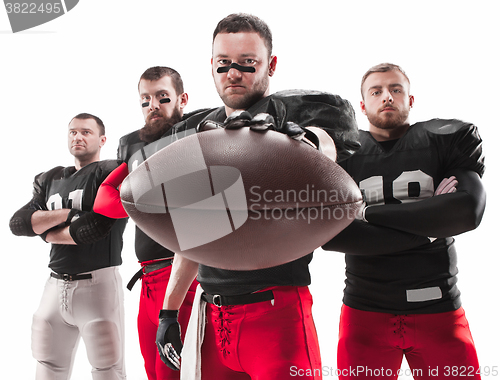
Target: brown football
{"type": "Point", "coordinates": [240, 199]}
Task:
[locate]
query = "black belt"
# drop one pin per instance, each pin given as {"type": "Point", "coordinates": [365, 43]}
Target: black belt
{"type": "Point", "coordinates": [148, 269]}
{"type": "Point", "coordinates": [218, 300]}
{"type": "Point", "coordinates": [71, 277]}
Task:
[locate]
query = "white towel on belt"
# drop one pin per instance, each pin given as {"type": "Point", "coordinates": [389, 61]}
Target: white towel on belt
{"type": "Point", "coordinates": [191, 352]}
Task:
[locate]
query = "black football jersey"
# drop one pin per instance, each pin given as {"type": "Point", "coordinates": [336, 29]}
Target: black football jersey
{"type": "Point", "coordinates": [423, 279]}
{"type": "Point", "coordinates": [68, 188]}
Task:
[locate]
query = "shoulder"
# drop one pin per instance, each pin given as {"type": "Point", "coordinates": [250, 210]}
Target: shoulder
{"type": "Point", "coordinates": [104, 167]}
{"type": "Point", "coordinates": [451, 133]}
{"type": "Point", "coordinates": [198, 113]}
{"type": "Point", "coordinates": [292, 97]}
{"type": "Point", "coordinates": [192, 119]}
{"type": "Point", "coordinates": [445, 126]}
{"type": "Point", "coordinates": [99, 169]}
{"type": "Point", "coordinates": [457, 140]}
{"type": "Point", "coordinates": [324, 110]}
{"type": "Point", "coordinates": [54, 173]}
{"type": "Point", "coordinates": [315, 108]}
{"type": "Point", "coordinates": [107, 165]}
{"type": "Point", "coordinates": [130, 138]}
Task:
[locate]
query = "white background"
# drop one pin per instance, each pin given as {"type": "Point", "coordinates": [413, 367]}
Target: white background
{"type": "Point", "coordinates": [90, 60]}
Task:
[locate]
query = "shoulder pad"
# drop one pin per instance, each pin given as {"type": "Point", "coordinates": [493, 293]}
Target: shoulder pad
{"type": "Point", "coordinates": [108, 165]}
{"type": "Point", "coordinates": [130, 138]}
{"type": "Point", "coordinates": [192, 119]}
{"type": "Point", "coordinates": [49, 175]}
{"type": "Point", "coordinates": [445, 126]}
{"type": "Point", "coordinates": [319, 109]}
{"type": "Point", "coordinates": [291, 97]}
{"type": "Point", "coordinates": [201, 111]}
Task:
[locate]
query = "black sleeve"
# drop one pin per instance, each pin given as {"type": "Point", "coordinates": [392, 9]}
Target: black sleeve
{"type": "Point", "coordinates": [316, 109]}
{"type": "Point", "coordinates": [361, 238]}
{"type": "Point", "coordinates": [90, 228]}
{"type": "Point", "coordinates": [440, 216]}
{"type": "Point", "coordinates": [20, 223]}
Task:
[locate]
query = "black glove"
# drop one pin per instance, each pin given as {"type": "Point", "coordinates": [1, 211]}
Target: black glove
{"type": "Point", "coordinates": [168, 339]}
{"type": "Point", "coordinates": [293, 130]}
{"type": "Point", "coordinates": [298, 133]}
{"type": "Point", "coordinates": [260, 122]}
{"type": "Point", "coordinates": [239, 119]}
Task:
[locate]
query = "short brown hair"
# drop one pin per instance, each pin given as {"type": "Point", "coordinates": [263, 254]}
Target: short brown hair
{"type": "Point", "coordinates": [382, 68]}
{"type": "Point", "coordinates": [242, 22]}
{"type": "Point", "coordinates": [158, 72]}
{"type": "Point", "coordinates": [85, 116]}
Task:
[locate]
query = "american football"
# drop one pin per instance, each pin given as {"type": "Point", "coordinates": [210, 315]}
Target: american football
{"type": "Point", "coordinates": [240, 199]}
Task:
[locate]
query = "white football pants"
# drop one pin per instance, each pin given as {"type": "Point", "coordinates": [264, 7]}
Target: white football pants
{"type": "Point", "coordinates": [91, 309]}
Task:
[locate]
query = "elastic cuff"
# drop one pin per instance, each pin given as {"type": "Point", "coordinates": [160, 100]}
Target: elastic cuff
{"type": "Point", "coordinates": [363, 215]}
{"type": "Point", "coordinates": [168, 314]}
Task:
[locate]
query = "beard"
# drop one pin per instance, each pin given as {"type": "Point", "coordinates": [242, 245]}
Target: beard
{"type": "Point", "coordinates": [155, 129]}
{"type": "Point", "coordinates": [388, 120]}
{"type": "Point", "coordinates": [245, 101]}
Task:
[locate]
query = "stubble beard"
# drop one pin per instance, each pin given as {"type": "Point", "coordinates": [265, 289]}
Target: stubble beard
{"type": "Point", "coordinates": [245, 101]}
{"type": "Point", "coordinates": [388, 121]}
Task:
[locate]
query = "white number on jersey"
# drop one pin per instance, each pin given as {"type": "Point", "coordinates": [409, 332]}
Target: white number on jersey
{"type": "Point", "coordinates": [408, 187]}
{"type": "Point", "coordinates": [75, 200]}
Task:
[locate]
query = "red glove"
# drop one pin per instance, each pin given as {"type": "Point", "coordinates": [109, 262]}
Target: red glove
{"type": "Point", "coordinates": [108, 201]}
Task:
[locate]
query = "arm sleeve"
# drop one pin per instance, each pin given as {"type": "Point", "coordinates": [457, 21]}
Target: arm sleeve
{"type": "Point", "coordinates": [20, 223]}
{"type": "Point", "coordinates": [361, 238]}
{"type": "Point", "coordinates": [317, 109]}
{"type": "Point", "coordinates": [90, 228]}
{"type": "Point", "coordinates": [108, 201]}
{"type": "Point", "coordinates": [440, 216]}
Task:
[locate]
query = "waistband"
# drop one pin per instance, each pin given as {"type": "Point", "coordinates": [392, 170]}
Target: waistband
{"type": "Point", "coordinates": [160, 264]}
{"type": "Point", "coordinates": [218, 300]}
{"type": "Point", "coordinates": [97, 275]}
{"type": "Point", "coordinates": [71, 277]}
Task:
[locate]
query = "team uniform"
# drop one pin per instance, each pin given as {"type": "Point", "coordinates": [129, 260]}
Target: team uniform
{"type": "Point", "coordinates": [259, 323]}
{"type": "Point", "coordinates": [155, 261]}
{"type": "Point", "coordinates": [401, 295]}
{"type": "Point", "coordinates": [83, 296]}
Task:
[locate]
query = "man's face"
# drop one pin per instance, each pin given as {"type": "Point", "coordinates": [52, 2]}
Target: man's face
{"type": "Point", "coordinates": [159, 115]}
{"type": "Point", "coordinates": [84, 142]}
{"type": "Point", "coordinates": [386, 100]}
{"type": "Point", "coordinates": [240, 90]}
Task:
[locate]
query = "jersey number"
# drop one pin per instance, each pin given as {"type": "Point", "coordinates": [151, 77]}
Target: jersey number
{"type": "Point", "coordinates": [55, 201]}
{"type": "Point", "coordinates": [408, 187]}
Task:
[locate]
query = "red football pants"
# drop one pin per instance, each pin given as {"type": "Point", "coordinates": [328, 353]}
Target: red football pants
{"type": "Point", "coordinates": [437, 346]}
{"type": "Point", "coordinates": [154, 285]}
{"type": "Point", "coordinates": [262, 341]}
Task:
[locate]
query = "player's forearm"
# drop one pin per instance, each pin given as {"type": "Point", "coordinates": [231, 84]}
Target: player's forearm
{"type": "Point", "coordinates": [183, 273]}
{"type": "Point", "coordinates": [441, 216]}
{"type": "Point", "coordinates": [361, 238]}
{"type": "Point", "coordinates": [60, 236]}
{"type": "Point", "coordinates": [42, 221]}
